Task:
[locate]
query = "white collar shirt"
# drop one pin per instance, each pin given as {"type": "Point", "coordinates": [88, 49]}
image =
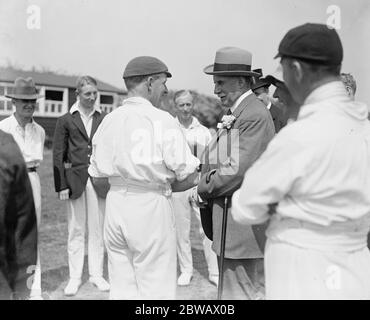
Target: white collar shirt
{"type": "Point", "coordinates": [86, 119]}
{"type": "Point", "coordinates": [316, 169]}
{"type": "Point", "coordinates": [240, 99]}
{"type": "Point", "coordinates": [30, 139]}
{"type": "Point", "coordinates": [141, 143]}
{"type": "Point", "coordinates": [197, 136]}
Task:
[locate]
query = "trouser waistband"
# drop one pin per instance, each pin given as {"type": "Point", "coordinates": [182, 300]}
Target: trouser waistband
{"type": "Point", "coordinates": [141, 186]}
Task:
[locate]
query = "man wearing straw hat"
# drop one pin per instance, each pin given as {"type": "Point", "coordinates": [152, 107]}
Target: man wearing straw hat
{"type": "Point", "coordinates": [243, 135]}
{"type": "Point", "coordinates": [30, 138]}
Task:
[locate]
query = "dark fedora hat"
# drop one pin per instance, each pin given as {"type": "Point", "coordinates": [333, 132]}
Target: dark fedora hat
{"type": "Point", "coordinates": [259, 82]}
{"type": "Point", "coordinates": [276, 78]}
{"type": "Point", "coordinates": [231, 61]}
{"type": "Point", "coordinates": [24, 89]}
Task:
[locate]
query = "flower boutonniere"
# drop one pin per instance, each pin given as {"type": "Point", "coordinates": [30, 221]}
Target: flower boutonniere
{"type": "Point", "coordinates": [226, 122]}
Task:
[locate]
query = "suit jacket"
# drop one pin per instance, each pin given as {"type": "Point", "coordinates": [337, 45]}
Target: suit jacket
{"type": "Point", "coordinates": [18, 228]}
{"type": "Point", "coordinates": [72, 146]}
{"type": "Point", "coordinates": [230, 154]}
{"type": "Point", "coordinates": [278, 117]}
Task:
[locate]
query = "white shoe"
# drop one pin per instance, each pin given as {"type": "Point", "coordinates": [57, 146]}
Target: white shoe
{"type": "Point", "coordinates": [213, 279]}
{"type": "Point", "coordinates": [72, 287]}
{"type": "Point", "coordinates": [36, 294]}
{"type": "Point", "coordinates": [184, 279]}
{"type": "Point", "coordinates": [100, 283]}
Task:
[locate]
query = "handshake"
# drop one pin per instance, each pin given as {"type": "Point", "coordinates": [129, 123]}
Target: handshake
{"type": "Point", "coordinates": [195, 198]}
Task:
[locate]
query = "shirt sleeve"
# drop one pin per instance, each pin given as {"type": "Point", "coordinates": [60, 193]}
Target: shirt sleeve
{"type": "Point", "coordinates": [176, 152]}
{"type": "Point", "coordinates": [269, 180]}
{"type": "Point", "coordinates": [103, 148]}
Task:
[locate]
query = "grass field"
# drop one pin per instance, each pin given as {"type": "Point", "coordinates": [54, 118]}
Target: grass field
{"type": "Point", "coordinates": [53, 248]}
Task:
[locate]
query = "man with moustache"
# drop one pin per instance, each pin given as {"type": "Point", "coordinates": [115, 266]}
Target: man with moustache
{"type": "Point", "coordinates": [30, 138]}
{"type": "Point", "coordinates": [71, 157]}
{"type": "Point", "coordinates": [243, 135]}
{"type": "Point", "coordinates": [144, 154]}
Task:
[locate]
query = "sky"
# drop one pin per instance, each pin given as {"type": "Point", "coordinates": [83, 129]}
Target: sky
{"type": "Point", "coordinates": [99, 37]}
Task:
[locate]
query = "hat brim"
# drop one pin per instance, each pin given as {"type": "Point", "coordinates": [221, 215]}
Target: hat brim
{"type": "Point", "coordinates": [210, 70]}
{"type": "Point", "coordinates": [168, 74]}
{"type": "Point", "coordinates": [261, 85]}
{"type": "Point", "coordinates": [271, 79]}
{"type": "Point", "coordinates": [24, 96]}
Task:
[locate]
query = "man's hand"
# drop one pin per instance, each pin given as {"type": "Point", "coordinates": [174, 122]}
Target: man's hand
{"type": "Point", "coordinates": [194, 197]}
{"type": "Point", "coordinates": [64, 194]}
{"type": "Point", "coordinates": [189, 182]}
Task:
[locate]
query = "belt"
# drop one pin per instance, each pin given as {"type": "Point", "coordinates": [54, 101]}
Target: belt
{"type": "Point", "coordinates": [141, 186]}
{"type": "Point", "coordinates": [339, 236]}
{"type": "Point", "coordinates": [32, 169]}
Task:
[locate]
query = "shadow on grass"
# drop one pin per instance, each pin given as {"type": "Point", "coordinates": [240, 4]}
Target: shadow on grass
{"type": "Point", "coordinates": [53, 278]}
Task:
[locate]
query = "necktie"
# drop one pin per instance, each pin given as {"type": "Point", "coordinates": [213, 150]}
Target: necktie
{"type": "Point", "coordinates": [228, 112]}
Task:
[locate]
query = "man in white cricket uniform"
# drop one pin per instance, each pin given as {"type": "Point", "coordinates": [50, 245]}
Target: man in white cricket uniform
{"type": "Point", "coordinates": [316, 173]}
{"type": "Point", "coordinates": [198, 138]}
{"type": "Point", "coordinates": [144, 153]}
{"type": "Point", "coordinates": [30, 138]}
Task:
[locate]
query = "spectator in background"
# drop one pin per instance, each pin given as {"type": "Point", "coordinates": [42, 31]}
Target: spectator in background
{"type": "Point", "coordinates": [30, 138]}
{"type": "Point", "coordinates": [71, 156]}
{"type": "Point", "coordinates": [283, 98]}
{"type": "Point", "coordinates": [197, 137]}
{"type": "Point", "coordinates": [18, 223]}
{"type": "Point", "coordinates": [260, 88]}
{"type": "Point", "coordinates": [350, 84]}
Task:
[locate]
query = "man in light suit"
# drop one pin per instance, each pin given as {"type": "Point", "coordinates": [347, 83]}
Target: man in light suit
{"type": "Point", "coordinates": [71, 156]}
{"type": "Point", "coordinates": [243, 135]}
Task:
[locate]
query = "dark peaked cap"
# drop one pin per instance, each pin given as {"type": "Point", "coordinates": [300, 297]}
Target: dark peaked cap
{"type": "Point", "coordinates": [144, 66]}
{"type": "Point", "coordinates": [313, 42]}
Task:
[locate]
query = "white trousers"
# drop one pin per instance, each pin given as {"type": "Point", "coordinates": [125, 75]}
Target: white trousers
{"type": "Point", "coordinates": [36, 191]}
{"type": "Point", "coordinates": [140, 235]}
{"type": "Point", "coordinates": [91, 207]}
{"type": "Point", "coordinates": [304, 274]}
{"type": "Point", "coordinates": [184, 208]}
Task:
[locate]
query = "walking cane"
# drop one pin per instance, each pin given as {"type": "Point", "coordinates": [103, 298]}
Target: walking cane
{"type": "Point", "coordinates": [222, 253]}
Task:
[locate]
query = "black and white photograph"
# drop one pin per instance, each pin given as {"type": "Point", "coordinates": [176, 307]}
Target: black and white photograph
{"type": "Point", "coordinates": [172, 150]}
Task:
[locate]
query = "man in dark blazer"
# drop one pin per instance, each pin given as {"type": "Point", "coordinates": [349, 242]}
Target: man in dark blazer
{"type": "Point", "coordinates": [18, 228]}
{"type": "Point", "coordinates": [71, 156]}
{"type": "Point", "coordinates": [242, 136]}
{"type": "Point", "coordinates": [260, 88]}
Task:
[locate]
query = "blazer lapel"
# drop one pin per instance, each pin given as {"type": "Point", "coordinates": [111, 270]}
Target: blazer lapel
{"type": "Point", "coordinates": [243, 104]}
{"type": "Point", "coordinates": [95, 123]}
{"type": "Point", "coordinates": [79, 124]}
